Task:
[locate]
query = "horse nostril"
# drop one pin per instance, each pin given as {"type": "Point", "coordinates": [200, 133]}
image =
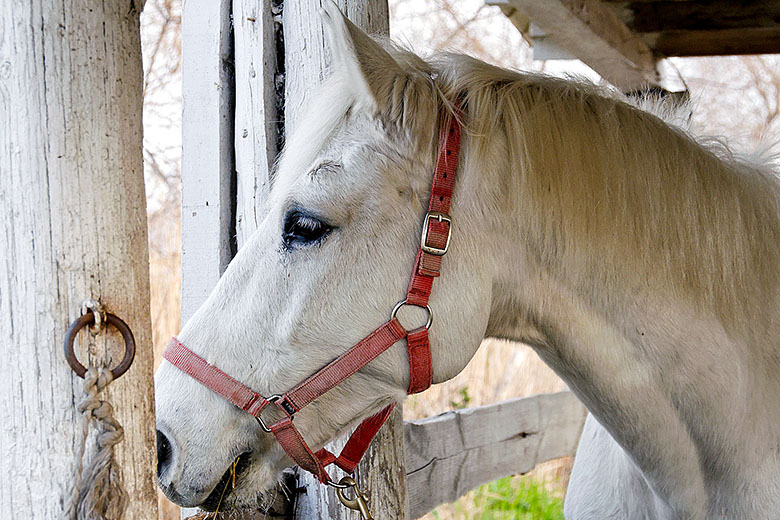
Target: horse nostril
{"type": "Point", "coordinates": [163, 452]}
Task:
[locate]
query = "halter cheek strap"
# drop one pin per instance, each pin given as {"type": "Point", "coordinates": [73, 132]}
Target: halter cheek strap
{"type": "Point", "coordinates": [434, 244]}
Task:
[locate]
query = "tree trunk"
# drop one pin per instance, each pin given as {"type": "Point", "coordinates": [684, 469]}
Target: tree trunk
{"type": "Point", "coordinates": [74, 227]}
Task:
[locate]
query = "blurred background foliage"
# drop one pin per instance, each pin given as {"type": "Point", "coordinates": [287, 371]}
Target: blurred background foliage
{"type": "Point", "coordinates": [738, 97]}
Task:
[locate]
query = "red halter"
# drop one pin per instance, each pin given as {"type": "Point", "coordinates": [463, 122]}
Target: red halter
{"type": "Point", "coordinates": [434, 243]}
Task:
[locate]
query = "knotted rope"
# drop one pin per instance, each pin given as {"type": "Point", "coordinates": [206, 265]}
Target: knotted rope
{"type": "Point", "coordinates": [98, 492]}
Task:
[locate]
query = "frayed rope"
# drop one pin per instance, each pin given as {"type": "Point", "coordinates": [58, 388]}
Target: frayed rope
{"type": "Point", "coordinates": [98, 493]}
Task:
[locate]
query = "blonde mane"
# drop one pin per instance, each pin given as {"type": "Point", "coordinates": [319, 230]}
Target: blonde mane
{"type": "Point", "coordinates": [613, 194]}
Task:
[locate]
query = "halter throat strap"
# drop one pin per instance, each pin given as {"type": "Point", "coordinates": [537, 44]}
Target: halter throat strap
{"type": "Point", "coordinates": [434, 244]}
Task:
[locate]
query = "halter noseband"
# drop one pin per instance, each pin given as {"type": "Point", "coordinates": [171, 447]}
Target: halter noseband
{"type": "Point", "coordinates": [434, 243]}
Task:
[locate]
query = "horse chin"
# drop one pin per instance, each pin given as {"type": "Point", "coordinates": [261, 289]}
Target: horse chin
{"type": "Point", "coordinates": [249, 485]}
{"type": "Point", "coordinates": [267, 502]}
{"type": "Point", "coordinates": [221, 494]}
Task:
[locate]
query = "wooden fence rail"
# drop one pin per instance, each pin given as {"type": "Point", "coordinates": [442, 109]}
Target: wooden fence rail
{"type": "Point", "coordinates": [453, 453]}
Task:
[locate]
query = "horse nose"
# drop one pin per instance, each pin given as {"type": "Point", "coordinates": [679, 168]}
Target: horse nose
{"type": "Point", "coordinates": [163, 452]}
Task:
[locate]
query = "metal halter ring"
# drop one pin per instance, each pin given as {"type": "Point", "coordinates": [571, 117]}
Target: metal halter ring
{"type": "Point", "coordinates": [405, 302]}
{"type": "Point", "coordinates": [87, 319]}
{"type": "Point", "coordinates": [344, 483]}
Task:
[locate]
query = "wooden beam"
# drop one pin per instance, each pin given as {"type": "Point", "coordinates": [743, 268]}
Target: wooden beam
{"type": "Point", "coordinates": [594, 34]}
{"type": "Point", "coordinates": [760, 40]}
{"type": "Point", "coordinates": [698, 15]}
{"type": "Point", "coordinates": [452, 453]}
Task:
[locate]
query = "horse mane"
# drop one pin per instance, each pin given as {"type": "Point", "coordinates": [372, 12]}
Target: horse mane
{"type": "Point", "coordinates": [613, 195]}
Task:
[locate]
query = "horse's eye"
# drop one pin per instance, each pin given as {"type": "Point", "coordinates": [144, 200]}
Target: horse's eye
{"type": "Point", "coordinates": [303, 229]}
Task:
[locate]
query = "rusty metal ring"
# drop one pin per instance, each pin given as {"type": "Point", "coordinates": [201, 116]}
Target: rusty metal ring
{"type": "Point", "coordinates": [87, 319]}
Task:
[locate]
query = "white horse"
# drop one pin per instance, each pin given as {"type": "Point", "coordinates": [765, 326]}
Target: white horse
{"type": "Point", "coordinates": [642, 265]}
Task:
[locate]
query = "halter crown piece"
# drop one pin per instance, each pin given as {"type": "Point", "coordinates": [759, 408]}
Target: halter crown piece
{"type": "Point", "coordinates": [434, 243]}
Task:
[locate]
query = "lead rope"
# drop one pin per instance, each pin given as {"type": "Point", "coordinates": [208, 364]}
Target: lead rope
{"type": "Point", "coordinates": [98, 492]}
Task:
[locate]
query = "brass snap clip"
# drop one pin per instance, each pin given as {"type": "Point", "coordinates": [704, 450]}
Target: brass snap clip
{"type": "Point", "coordinates": [359, 503]}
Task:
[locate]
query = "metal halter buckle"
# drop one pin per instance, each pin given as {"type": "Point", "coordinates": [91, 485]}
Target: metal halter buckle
{"type": "Point", "coordinates": [441, 217]}
{"type": "Point", "coordinates": [280, 403]}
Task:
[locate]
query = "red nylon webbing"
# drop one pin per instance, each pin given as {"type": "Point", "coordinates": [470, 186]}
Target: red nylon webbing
{"type": "Point", "coordinates": [210, 376]}
{"type": "Point", "coordinates": [343, 367]}
{"type": "Point", "coordinates": [427, 266]}
{"type": "Point", "coordinates": [358, 443]}
{"type": "Point", "coordinates": [420, 366]}
{"type": "Point", "coordinates": [292, 442]}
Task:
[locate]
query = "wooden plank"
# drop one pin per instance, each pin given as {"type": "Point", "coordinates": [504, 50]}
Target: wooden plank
{"type": "Point", "coordinates": [451, 454]}
{"type": "Point", "coordinates": [762, 40]}
{"type": "Point", "coordinates": [207, 225]}
{"type": "Point", "coordinates": [256, 37]}
{"type": "Point", "coordinates": [595, 35]}
{"type": "Point", "coordinates": [256, 24]}
{"type": "Point", "coordinates": [207, 149]}
{"type": "Point", "coordinates": [304, 40]}
{"type": "Point", "coordinates": [73, 216]}
{"type": "Point", "coordinates": [699, 15]}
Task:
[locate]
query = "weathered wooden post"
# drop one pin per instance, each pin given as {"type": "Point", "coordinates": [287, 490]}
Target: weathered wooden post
{"type": "Point", "coordinates": [73, 215]}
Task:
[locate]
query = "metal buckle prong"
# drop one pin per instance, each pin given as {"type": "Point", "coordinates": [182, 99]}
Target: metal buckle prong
{"type": "Point", "coordinates": [441, 217]}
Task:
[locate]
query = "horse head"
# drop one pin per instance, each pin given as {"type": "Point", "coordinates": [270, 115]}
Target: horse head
{"type": "Point", "coordinates": [328, 262]}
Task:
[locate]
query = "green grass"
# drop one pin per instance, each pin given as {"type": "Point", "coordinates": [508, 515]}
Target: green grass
{"type": "Point", "coordinates": [510, 498]}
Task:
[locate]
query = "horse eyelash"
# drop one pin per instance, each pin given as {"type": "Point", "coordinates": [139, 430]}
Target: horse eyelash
{"type": "Point", "coordinates": [307, 222]}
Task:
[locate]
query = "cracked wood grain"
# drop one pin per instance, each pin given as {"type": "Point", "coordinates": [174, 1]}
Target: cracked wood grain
{"type": "Point", "coordinates": [450, 454]}
{"type": "Point", "coordinates": [73, 215]}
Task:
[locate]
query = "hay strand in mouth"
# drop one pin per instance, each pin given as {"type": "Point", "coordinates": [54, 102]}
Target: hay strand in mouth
{"type": "Point", "coordinates": [230, 482]}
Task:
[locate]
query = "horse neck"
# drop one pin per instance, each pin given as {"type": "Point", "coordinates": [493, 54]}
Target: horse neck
{"type": "Point", "coordinates": [643, 358]}
{"type": "Point", "coordinates": [625, 212]}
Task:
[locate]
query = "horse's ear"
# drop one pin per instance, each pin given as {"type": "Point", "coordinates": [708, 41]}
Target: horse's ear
{"type": "Point", "coordinates": [368, 66]}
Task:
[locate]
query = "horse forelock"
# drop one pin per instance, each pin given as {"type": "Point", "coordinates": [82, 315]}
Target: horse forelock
{"type": "Point", "coordinates": [408, 115]}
